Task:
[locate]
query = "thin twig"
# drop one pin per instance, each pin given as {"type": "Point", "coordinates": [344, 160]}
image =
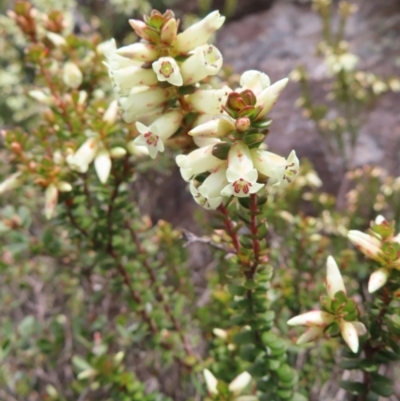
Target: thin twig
{"type": "Point", "coordinates": [191, 238]}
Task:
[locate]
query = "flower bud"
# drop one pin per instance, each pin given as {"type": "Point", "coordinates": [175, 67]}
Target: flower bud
{"type": "Point", "coordinates": [12, 182]}
{"type": "Point", "coordinates": [378, 279]}
{"type": "Point", "coordinates": [367, 244]}
{"type": "Point", "coordinates": [64, 186]}
{"type": "Point", "coordinates": [144, 52]}
{"type": "Point", "coordinates": [211, 381]}
{"type": "Point", "coordinates": [102, 165]}
{"type": "Point", "coordinates": [220, 333]}
{"type": "Point", "coordinates": [311, 334]}
{"type": "Point", "coordinates": [51, 198]}
{"type": "Point", "coordinates": [118, 357]}
{"type": "Point", "coordinates": [349, 334]}
{"type": "Point", "coordinates": [82, 97]}
{"type": "Point", "coordinates": [56, 39]}
{"type": "Point", "coordinates": [314, 318]}
{"type": "Point", "coordinates": [379, 219]}
{"type": "Point", "coordinates": [198, 33]}
{"type": "Point", "coordinates": [209, 101]}
{"type": "Point", "coordinates": [268, 97]}
{"type": "Point", "coordinates": [239, 383]}
{"type": "Point", "coordinates": [40, 96]}
{"type": "Point", "coordinates": [169, 31]}
{"type": "Point", "coordinates": [72, 75]}
{"type": "Point", "coordinates": [111, 114]}
{"type": "Point", "coordinates": [334, 280]}
{"type": "Point", "coordinates": [243, 124]}
{"type": "Point", "coordinates": [117, 152]}
{"type": "Point", "coordinates": [215, 128]}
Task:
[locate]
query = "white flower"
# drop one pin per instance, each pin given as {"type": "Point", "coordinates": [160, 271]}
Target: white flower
{"type": "Point", "coordinates": [216, 127]}
{"type": "Point", "coordinates": [315, 318]}
{"type": "Point", "coordinates": [207, 203]}
{"type": "Point", "coordinates": [215, 182]}
{"type": "Point", "coordinates": [241, 174]}
{"type": "Point", "coordinates": [254, 80]}
{"type": "Point", "coordinates": [92, 150]}
{"type": "Point", "coordinates": [268, 97]}
{"type": "Point", "coordinates": [102, 165]}
{"type": "Point", "coordinates": [142, 100]}
{"type": "Point", "coordinates": [56, 39]}
{"type": "Point", "coordinates": [378, 279]}
{"type": "Point", "coordinates": [211, 381]}
{"type": "Point", "coordinates": [72, 75]}
{"type": "Point", "coordinates": [209, 101]}
{"type": "Point", "coordinates": [311, 334]}
{"type": "Point", "coordinates": [367, 244]}
{"type": "Point", "coordinates": [12, 182]}
{"type": "Point", "coordinates": [379, 219]}
{"type": "Point", "coordinates": [111, 114]}
{"type": "Point", "coordinates": [334, 280]}
{"type": "Point", "coordinates": [125, 73]}
{"type": "Point", "coordinates": [205, 60]}
{"type": "Point", "coordinates": [278, 170]}
{"type": "Point", "coordinates": [239, 383]}
{"type": "Point", "coordinates": [40, 96]}
{"type": "Point", "coordinates": [153, 136]}
{"type": "Point", "coordinates": [143, 52]}
{"type": "Point", "coordinates": [168, 70]}
{"type": "Point", "coordinates": [198, 161]}
{"type": "Point", "coordinates": [198, 33]}
{"type": "Point", "coordinates": [220, 333]}
{"type": "Point", "coordinates": [86, 153]}
{"type": "Point", "coordinates": [349, 332]}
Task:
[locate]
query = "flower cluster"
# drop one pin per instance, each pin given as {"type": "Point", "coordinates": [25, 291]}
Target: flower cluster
{"type": "Point", "coordinates": [148, 76]}
{"type": "Point", "coordinates": [159, 83]}
{"type": "Point", "coordinates": [380, 245]}
{"type": "Point", "coordinates": [229, 160]}
{"type": "Point", "coordinates": [162, 86]}
{"type": "Point", "coordinates": [338, 314]}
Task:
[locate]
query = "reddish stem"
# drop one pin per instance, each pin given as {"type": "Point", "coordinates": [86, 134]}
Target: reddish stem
{"type": "Point", "coordinates": [230, 228]}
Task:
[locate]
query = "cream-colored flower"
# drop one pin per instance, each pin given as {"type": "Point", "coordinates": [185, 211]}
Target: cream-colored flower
{"type": "Point", "coordinates": [154, 136]}
{"type": "Point", "coordinates": [278, 170]}
{"type": "Point", "coordinates": [204, 61]}
{"type": "Point", "coordinates": [199, 33]}
{"type": "Point", "coordinates": [268, 97]}
{"type": "Point", "coordinates": [209, 101]}
{"type": "Point", "coordinates": [215, 128]}
{"type": "Point", "coordinates": [72, 75]}
{"type": "Point", "coordinates": [198, 161]}
{"type": "Point", "coordinates": [334, 280]}
{"type": "Point", "coordinates": [168, 70]}
{"type": "Point", "coordinates": [254, 80]}
{"type": "Point", "coordinates": [241, 174]}
{"type": "Point", "coordinates": [204, 201]}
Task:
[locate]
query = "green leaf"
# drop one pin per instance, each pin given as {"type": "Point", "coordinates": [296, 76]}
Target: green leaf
{"type": "Point", "coordinates": [245, 337]}
{"type": "Point", "coordinates": [221, 150]}
{"type": "Point", "coordinates": [353, 387]}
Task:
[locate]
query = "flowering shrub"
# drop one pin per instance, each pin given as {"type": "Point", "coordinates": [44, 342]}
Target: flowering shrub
{"type": "Point", "coordinates": [108, 307]}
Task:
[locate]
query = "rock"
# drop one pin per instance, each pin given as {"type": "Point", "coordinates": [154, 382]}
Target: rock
{"type": "Point", "coordinates": [278, 40]}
